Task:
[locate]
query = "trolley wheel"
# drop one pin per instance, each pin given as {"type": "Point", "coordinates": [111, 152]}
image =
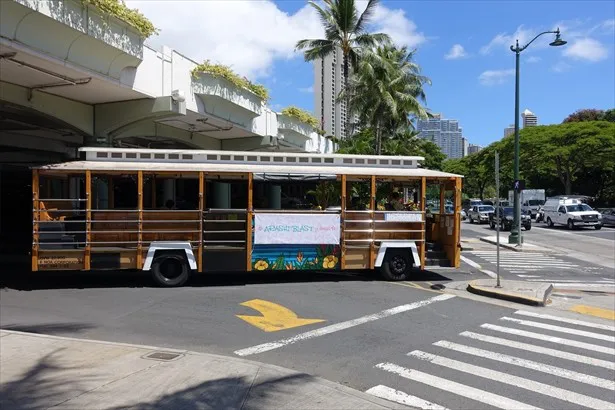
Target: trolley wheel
{"type": "Point", "coordinates": [397, 264]}
{"type": "Point", "coordinates": [170, 269]}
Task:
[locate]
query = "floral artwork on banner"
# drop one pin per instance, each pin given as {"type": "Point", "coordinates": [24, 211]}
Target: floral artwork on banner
{"type": "Point", "coordinates": [295, 257]}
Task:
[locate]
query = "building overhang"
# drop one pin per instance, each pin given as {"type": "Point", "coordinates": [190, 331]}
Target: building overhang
{"type": "Point", "coordinates": [289, 126]}
{"type": "Point", "coordinates": [74, 32]}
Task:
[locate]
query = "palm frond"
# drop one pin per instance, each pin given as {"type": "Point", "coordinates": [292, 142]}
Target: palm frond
{"type": "Point", "coordinates": [363, 20]}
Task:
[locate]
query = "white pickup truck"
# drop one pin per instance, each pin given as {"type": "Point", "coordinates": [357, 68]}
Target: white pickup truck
{"type": "Point", "coordinates": [572, 213]}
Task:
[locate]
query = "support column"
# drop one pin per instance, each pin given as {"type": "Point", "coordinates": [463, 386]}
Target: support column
{"type": "Point", "coordinates": [424, 244]}
{"type": "Point", "coordinates": [168, 190]}
{"type": "Point", "coordinates": [221, 195]}
{"type": "Point", "coordinates": [274, 196]}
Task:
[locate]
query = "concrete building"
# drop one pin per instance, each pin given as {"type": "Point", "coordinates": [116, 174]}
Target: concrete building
{"type": "Point", "coordinates": [328, 83]}
{"type": "Point", "coordinates": [529, 119]}
{"type": "Point", "coordinates": [510, 130]}
{"type": "Point", "coordinates": [71, 75]}
{"type": "Point", "coordinates": [473, 148]}
{"type": "Point", "coordinates": [445, 133]}
{"type": "Point", "coordinates": [465, 145]}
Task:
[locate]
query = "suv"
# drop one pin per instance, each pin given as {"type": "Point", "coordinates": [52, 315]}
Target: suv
{"type": "Point", "coordinates": [504, 216]}
{"type": "Point", "coordinates": [480, 213]}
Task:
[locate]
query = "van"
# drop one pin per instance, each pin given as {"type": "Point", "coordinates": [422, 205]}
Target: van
{"type": "Point", "coordinates": [571, 212]}
{"type": "Point", "coordinates": [468, 204]}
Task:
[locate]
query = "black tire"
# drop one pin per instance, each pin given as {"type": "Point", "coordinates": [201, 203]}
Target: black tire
{"type": "Point", "coordinates": [470, 219]}
{"type": "Point", "coordinates": [170, 269]}
{"type": "Point", "coordinates": [549, 223]}
{"type": "Point", "coordinates": [597, 227]}
{"type": "Point", "coordinates": [491, 225]}
{"type": "Point", "coordinates": [570, 225]}
{"type": "Point", "coordinates": [397, 264]}
{"type": "Point", "coordinates": [527, 228]}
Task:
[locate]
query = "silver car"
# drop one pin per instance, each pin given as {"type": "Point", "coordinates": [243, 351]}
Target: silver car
{"type": "Point", "coordinates": [480, 213]}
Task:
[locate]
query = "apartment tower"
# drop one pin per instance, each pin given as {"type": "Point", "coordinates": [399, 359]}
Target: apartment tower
{"type": "Point", "coordinates": [328, 83]}
{"type": "Point", "coordinates": [447, 134]}
{"type": "Point", "coordinates": [529, 119]}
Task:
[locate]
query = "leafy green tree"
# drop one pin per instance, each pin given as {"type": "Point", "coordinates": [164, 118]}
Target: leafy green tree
{"type": "Point", "coordinates": [345, 29]}
{"type": "Point", "coordinates": [585, 115]}
{"type": "Point", "coordinates": [385, 90]}
{"type": "Point", "coordinates": [609, 115]}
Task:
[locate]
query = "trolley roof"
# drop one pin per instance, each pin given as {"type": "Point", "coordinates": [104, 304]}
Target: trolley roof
{"type": "Point", "coordinates": [154, 160]}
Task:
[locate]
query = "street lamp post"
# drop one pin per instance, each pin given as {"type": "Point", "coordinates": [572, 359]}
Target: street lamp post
{"type": "Point", "coordinates": [515, 231]}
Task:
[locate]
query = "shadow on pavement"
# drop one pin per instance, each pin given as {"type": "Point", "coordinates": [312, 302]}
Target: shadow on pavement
{"type": "Point", "coordinates": [47, 384]}
{"type": "Point", "coordinates": [38, 388]}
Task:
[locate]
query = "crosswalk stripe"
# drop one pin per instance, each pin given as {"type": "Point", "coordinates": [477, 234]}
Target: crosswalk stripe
{"type": "Point", "coordinates": [542, 350]}
{"type": "Point", "coordinates": [529, 364]}
{"type": "Point", "coordinates": [454, 387]}
{"type": "Point", "coordinates": [512, 380]}
{"type": "Point", "coordinates": [400, 397]}
{"type": "Point", "coordinates": [566, 320]}
{"type": "Point", "coordinates": [588, 285]}
{"type": "Point", "coordinates": [552, 339]}
{"type": "Point", "coordinates": [526, 276]}
{"type": "Point", "coordinates": [560, 329]}
{"type": "Point", "coordinates": [571, 281]}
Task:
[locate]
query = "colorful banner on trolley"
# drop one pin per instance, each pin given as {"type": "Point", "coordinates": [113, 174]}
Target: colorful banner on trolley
{"type": "Point", "coordinates": [298, 229]}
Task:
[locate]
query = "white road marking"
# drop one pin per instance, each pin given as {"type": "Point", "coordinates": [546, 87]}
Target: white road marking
{"type": "Point", "coordinates": [525, 276]}
{"type": "Point", "coordinates": [584, 285]}
{"type": "Point", "coordinates": [529, 364]}
{"type": "Point", "coordinates": [516, 381]}
{"type": "Point", "coordinates": [560, 329]}
{"type": "Point", "coordinates": [566, 320]}
{"type": "Point", "coordinates": [397, 396]}
{"type": "Point", "coordinates": [582, 281]}
{"type": "Point", "coordinates": [552, 339]}
{"type": "Point", "coordinates": [454, 387]}
{"type": "Point", "coordinates": [265, 347]}
{"type": "Point", "coordinates": [542, 350]}
{"type": "Point", "coordinates": [477, 266]}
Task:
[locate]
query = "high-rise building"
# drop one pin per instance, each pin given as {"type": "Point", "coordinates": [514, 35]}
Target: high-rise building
{"type": "Point", "coordinates": [445, 133]}
{"type": "Point", "coordinates": [529, 119]}
{"type": "Point", "coordinates": [328, 83]}
{"type": "Point", "coordinates": [510, 130]}
{"type": "Point", "coordinates": [464, 145]}
{"type": "Point", "coordinates": [473, 148]}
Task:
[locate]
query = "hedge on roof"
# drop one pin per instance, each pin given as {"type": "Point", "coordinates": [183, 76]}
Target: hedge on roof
{"type": "Point", "coordinates": [119, 10]}
{"type": "Point", "coordinates": [301, 115]}
{"type": "Point", "coordinates": [223, 71]}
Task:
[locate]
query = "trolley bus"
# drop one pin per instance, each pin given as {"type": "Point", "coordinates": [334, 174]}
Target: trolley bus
{"type": "Point", "coordinates": [175, 213]}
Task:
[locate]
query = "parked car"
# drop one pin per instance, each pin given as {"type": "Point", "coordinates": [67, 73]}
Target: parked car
{"type": "Point", "coordinates": [480, 213]}
{"type": "Point", "coordinates": [571, 212]}
{"type": "Point", "coordinates": [608, 216]}
{"type": "Point", "coordinates": [505, 216]}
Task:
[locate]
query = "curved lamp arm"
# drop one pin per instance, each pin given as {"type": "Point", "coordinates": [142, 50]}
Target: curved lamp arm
{"type": "Point", "coordinates": [518, 49]}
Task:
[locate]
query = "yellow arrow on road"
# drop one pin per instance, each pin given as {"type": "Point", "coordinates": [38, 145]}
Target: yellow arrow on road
{"type": "Point", "coordinates": [274, 317]}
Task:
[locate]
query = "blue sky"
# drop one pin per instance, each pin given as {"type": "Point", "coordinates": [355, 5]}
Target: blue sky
{"type": "Point", "coordinates": [463, 46]}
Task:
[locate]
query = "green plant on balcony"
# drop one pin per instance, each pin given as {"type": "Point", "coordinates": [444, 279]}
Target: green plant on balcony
{"type": "Point", "coordinates": [119, 10]}
{"type": "Point", "coordinates": [301, 115]}
{"type": "Point", "coordinates": [223, 71]}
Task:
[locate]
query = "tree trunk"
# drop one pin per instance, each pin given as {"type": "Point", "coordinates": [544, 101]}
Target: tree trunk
{"type": "Point", "coordinates": [347, 97]}
{"type": "Point", "coordinates": [378, 140]}
{"type": "Point", "coordinates": [568, 185]}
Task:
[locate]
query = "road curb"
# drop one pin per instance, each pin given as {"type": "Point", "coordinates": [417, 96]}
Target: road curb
{"type": "Point", "coordinates": [376, 401]}
{"type": "Point", "coordinates": [538, 249]}
{"type": "Point", "coordinates": [509, 296]}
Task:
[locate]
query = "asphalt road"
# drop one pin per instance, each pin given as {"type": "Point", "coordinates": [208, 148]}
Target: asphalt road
{"type": "Point", "coordinates": [374, 336]}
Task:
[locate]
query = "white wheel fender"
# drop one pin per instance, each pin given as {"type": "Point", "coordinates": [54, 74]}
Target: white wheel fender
{"type": "Point", "coordinates": [169, 246]}
{"type": "Point", "coordinates": [384, 245]}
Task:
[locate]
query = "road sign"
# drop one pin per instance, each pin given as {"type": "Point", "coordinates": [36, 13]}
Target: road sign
{"type": "Point", "coordinates": [519, 185]}
{"type": "Point", "coordinates": [274, 317]}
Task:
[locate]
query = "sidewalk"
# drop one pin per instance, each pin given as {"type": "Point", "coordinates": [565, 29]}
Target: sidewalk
{"type": "Point", "coordinates": [39, 371]}
{"type": "Point", "coordinates": [526, 247]}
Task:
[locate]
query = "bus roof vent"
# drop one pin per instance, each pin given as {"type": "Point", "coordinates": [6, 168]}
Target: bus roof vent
{"type": "Point", "coordinates": [238, 157]}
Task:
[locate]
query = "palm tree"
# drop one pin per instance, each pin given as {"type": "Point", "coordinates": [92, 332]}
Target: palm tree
{"type": "Point", "coordinates": [386, 90]}
{"type": "Point", "coordinates": [345, 29]}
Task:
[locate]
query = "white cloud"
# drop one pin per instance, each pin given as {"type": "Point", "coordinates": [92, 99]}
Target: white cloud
{"type": "Point", "coordinates": [456, 52]}
{"type": "Point", "coordinates": [308, 90]}
{"type": "Point", "coordinates": [495, 77]}
{"type": "Point", "coordinates": [250, 35]}
{"type": "Point", "coordinates": [587, 49]}
{"type": "Point", "coordinates": [561, 67]}
{"type": "Point", "coordinates": [533, 59]}
{"type": "Point", "coordinates": [503, 41]}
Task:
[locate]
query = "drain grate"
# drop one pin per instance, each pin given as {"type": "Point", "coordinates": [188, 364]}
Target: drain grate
{"type": "Point", "coordinates": [163, 356]}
